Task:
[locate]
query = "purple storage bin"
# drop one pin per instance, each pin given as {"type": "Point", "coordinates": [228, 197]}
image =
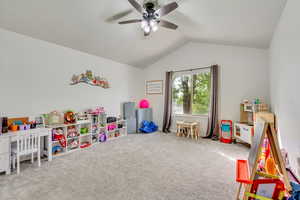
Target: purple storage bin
{"type": "Point", "coordinates": [27, 126]}
{"type": "Point", "coordinates": [22, 127]}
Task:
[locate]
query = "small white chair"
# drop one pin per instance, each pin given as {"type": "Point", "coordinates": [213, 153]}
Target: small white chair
{"type": "Point", "coordinates": [27, 144]}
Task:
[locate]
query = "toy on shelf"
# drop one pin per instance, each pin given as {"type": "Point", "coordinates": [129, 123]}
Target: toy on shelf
{"type": "Point", "coordinates": [144, 103]}
{"type": "Point", "coordinates": [54, 118]}
{"type": "Point", "coordinates": [14, 127]}
{"type": "Point", "coordinates": [94, 138]}
{"type": "Point", "coordinates": [95, 119]}
{"type": "Point", "coordinates": [4, 125]}
{"type": "Point", "coordinates": [15, 124]}
{"type": "Point", "coordinates": [84, 130]}
{"type": "Point", "coordinates": [73, 144]}
{"type": "Point", "coordinates": [111, 127]}
{"type": "Point", "coordinates": [102, 137]}
{"type": "Point", "coordinates": [27, 126]}
{"type": "Point", "coordinates": [85, 144]}
{"type": "Point", "coordinates": [94, 128]}
{"type": "Point", "coordinates": [22, 127]}
{"type": "Point", "coordinates": [82, 116]}
{"type": "Point", "coordinates": [102, 119]}
{"type": "Point", "coordinates": [72, 132]}
{"type": "Point", "coordinates": [111, 119]}
{"type": "Point", "coordinates": [69, 117]}
{"type": "Point", "coordinates": [117, 133]}
{"type": "Point", "coordinates": [110, 135]}
{"type": "Point", "coordinates": [226, 131]}
{"type": "Point", "coordinates": [18, 125]}
{"type": "Point", "coordinates": [57, 149]}
{"type": "Point", "coordinates": [96, 111]}
{"type": "Point", "coordinates": [39, 122]}
{"type": "Point", "coordinates": [58, 135]}
{"type": "Point", "coordinates": [32, 124]}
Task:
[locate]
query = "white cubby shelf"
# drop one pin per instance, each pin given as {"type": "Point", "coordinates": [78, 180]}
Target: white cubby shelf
{"type": "Point", "coordinates": [96, 125]}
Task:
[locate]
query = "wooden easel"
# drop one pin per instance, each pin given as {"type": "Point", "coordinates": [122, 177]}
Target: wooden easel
{"type": "Point", "coordinates": [263, 130]}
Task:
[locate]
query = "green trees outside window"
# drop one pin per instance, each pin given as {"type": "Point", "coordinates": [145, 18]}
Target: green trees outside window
{"type": "Point", "coordinates": [191, 93]}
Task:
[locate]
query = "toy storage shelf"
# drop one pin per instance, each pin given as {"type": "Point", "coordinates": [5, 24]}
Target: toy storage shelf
{"type": "Point", "coordinates": [96, 126]}
{"type": "Point", "coordinates": [68, 125]}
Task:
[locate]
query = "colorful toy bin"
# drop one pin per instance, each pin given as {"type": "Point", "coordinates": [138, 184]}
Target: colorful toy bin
{"type": "Point", "coordinates": [144, 103]}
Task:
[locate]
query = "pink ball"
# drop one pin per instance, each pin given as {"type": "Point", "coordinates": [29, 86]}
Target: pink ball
{"type": "Point", "coordinates": [144, 103]}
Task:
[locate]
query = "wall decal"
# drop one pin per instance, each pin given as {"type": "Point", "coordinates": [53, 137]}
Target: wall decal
{"type": "Point", "coordinates": [90, 79]}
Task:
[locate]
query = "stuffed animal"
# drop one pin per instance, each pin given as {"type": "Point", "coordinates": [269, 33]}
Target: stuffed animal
{"type": "Point", "coordinates": [102, 137]}
{"type": "Point", "coordinates": [58, 135]}
{"type": "Point", "coordinates": [72, 132]}
{"type": "Point", "coordinates": [70, 117]}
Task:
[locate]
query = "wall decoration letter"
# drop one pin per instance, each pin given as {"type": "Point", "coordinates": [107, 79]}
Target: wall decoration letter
{"type": "Point", "coordinates": [90, 79]}
{"type": "Point", "coordinates": [154, 87]}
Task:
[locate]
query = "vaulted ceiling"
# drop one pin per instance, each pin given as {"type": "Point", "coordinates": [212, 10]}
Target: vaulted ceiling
{"type": "Point", "coordinates": [84, 25]}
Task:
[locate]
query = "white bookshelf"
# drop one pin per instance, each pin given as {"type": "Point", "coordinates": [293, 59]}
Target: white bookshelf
{"type": "Point", "coordinates": [96, 125]}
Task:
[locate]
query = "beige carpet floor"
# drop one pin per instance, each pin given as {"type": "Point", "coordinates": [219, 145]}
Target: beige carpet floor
{"type": "Point", "coordinates": [137, 167]}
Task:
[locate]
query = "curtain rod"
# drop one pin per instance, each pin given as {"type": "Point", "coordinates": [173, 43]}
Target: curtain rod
{"type": "Point", "coordinates": [193, 69]}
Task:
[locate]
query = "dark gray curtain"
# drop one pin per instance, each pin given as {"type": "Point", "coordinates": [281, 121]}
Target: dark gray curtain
{"type": "Point", "coordinates": [168, 103]}
{"type": "Point", "coordinates": [213, 118]}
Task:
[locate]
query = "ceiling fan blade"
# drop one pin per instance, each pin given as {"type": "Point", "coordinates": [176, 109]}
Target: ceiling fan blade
{"type": "Point", "coordinates": [167, 9]}
{"type": "Point", "coordinates": [130, 21]}
{"type": "Point", "coordinates": [136, 5]}
{"type": "Point", "coordinates": [168, 24]}
{"type": "Point", "coordinates": [119, 15]}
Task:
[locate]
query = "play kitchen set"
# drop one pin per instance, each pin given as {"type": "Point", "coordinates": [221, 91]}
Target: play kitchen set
{"type": "Point", "coordinates": [243, 131]}
{"type": "Point", "coordinates": [72, 131]}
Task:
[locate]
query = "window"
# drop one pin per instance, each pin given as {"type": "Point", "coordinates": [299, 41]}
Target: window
{"type": "Point", "coordinates": [191, 92]}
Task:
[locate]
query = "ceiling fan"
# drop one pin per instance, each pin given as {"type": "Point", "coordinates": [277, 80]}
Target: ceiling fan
{"type": "Point", "coordinates": [151, 15]}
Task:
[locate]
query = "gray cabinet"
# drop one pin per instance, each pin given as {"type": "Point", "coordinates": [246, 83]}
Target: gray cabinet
{"type": "Point", "coordinates": [129, 114]}
{"type": "Point", "coordinates": [141, 115]}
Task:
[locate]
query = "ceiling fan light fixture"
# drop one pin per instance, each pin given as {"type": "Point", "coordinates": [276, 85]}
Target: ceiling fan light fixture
{"type": "Point", "coordinates": [147, 29]}
{"type": "Point", "coordinates": [151, 14]}
{"type": "Point", "coordinates": [154, 25]}
{"type": "Point", "coordinates": [154, 28]}
{"type": "Point", "coordinates": [144, 23]}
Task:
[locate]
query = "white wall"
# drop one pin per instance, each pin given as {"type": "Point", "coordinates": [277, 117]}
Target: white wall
{"type": "Point", "coordinates": [284, 79]}
{"type": "Point", "coordinates": [35, 77]}
{"type": "Point", "coordinates": [244, 74]}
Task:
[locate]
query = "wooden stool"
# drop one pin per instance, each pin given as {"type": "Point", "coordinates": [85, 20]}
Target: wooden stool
{"type": "Point", "coordinates": [179, 128]}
